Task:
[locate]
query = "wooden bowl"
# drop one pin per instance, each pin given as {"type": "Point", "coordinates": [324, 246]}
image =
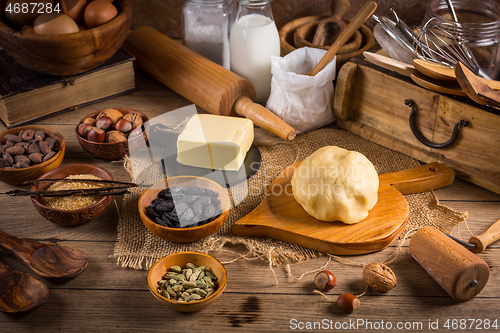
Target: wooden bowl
{"type": "Point", "coordinates": [184, 235]}
{"type": "Point", "coordinates": [181, 259]}
{"type": "Point", "coordinates": [72, 217]}
{"type": "Point", "coordinates": [287, 43]}
{"type": "Point", "coordinates": [304, 35]}
{"type": "Point", "coordinates": [68, 54]}
{"type": "Point", "coordinates": [109, 151]}
{"type": "Point", "coordinates": [19, 176]}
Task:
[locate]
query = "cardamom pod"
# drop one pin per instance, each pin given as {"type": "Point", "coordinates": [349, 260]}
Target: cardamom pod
{"type": "Point", "coordinates": [185, 295]}
{"type": "Point", "coordinates": [210, 274]}
{"type": "Point", "coordinates": [171, 291]}
{"type": "Point", "coordinates": [201, 276]}
{"type": "Point", "coordinates": [188, 285]}
{"type": "Point", "coordinates": [178, 288]}
{"type": "Point", "coordinates": [188, 273]}
{"type": "Point", "coordinates": [165, 294]}
{"type": "Point", "coordinates": [191, 265]}
{"type": "Point", "coordinates": [193, 297]}
{"type": "Point", "coordinates": [201, 292]}
{"type": "Point", "coordinates": [176, 269]}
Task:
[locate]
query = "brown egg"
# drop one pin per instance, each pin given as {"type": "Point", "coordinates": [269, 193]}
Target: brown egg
{"type": "Point", "coordinates": [99, 12]}
{"type": "Point", "coordinates": [74, 8]}
{"type": "Point", "coordinates": [55, 24]}
{"type": "Point", "coordinates": [27, 29]}
{"type": "Point", "coordinates": [32, 13]}
{"type": "Point", "coordinates": [10, 15]}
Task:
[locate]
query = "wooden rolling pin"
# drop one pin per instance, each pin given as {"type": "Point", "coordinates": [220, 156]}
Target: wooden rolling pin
{"type": "Point", "coordinates": [203, 82]}
{"type": "Point", "coordinates": [460, 272]}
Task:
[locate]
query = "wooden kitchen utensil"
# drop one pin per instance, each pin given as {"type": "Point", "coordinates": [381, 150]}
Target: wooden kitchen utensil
{"type": "Point", "coordinates": [205, 83]}
{"type": "Point", "coordinates": [460, 272]}
{"type": "Point", "coordinates": [476, 89]}
{"type": "Point", "coordinates": [20, 293]}
{"type": "Point", "coordinates": [49, 261]}
{"type": "Point", "coordinates": [389, 63]}
{"type": "Point", "coordinates": [440, 72]}
{"type": "Point", "coordinates": [302, 37]}
{"type": "Point", "coordinates": [364, 13]}
{"type": "Point", "coordinates": [491, 235]}
{"type": "Point", "coordinates": [445, 87]}
{"type": "Point", "coordinates": [329, 29]}
{"type": "Point", "coordinates": [281, 217]}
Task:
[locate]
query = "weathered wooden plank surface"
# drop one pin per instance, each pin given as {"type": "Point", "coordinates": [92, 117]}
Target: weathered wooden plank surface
{"type": "Point", "coordinates": [108, 298]}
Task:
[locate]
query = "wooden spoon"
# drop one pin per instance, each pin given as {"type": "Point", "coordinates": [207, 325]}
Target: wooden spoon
{"type": "Point", "coordinates": [443, 73]}
{"type": "Point", "coordinates": [329, 29]}
{"type": "Point", "coordinates": [20, 293]}
{"type": "Point", "coordinates": [475, 88]}
{"type": "Point", "coordinates": [49, 261]}
{"type": "Point", "coordinates": [365, 12]}
{"type": "Point", "coordinates": [389, 63]}
{"type": "Point", "coordinates": [445, 87]}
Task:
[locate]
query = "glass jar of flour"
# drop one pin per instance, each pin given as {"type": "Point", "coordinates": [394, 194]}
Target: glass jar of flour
{"type": "Point", "coordinates": [254, 39]}
{"type": "Point", "coordinates": [206, 25]}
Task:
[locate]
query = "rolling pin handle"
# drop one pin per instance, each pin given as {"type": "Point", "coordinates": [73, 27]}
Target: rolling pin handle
{"type": "Point", "coordinates": [486, 238]}
{"type": "Point", "coordinates": [263, 118]}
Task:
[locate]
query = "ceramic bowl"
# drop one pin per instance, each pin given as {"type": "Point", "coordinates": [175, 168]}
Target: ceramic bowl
{"type": "Point", "coordinates": [19, 176]}
{"type": "Point", "coordinates": [181, 259]}
{"type": "Point", "coordinates": [68, 54]}
{"type": "Point", "coordinates": [72, 217]}
{"type": "Point", "coordinates": [184, 235]}
{"type": "Point", "coordinates": [109, 151]}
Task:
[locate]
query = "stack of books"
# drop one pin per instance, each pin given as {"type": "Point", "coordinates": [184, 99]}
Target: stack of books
{"type": "Point", "coordinates": [26, 96]}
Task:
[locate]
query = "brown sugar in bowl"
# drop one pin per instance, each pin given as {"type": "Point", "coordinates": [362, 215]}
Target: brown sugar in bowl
{"type": "Point", "coordinates": [67, 54]}
{"type": "Point", "coordinates": [184, 235]}
{"type": "Point", "coordinates": [181, 259]}
{"type": "Point", "coordinates": [19, 176]}
{"type": "Point", "coordinates": [109, 151]}
{"type": "Point", "coordinates": [72, 217]}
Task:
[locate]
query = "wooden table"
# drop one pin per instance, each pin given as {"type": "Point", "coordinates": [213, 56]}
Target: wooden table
{"type": "Point", "coordinates": [109, 298]}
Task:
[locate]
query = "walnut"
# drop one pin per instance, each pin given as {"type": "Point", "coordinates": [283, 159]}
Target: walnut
{"type": "Point", "coordinates": [115, 115]}
{"type": "Point", "coordinates": [115, 136]}
{"type": "Point", "coordinates": [379, 277]}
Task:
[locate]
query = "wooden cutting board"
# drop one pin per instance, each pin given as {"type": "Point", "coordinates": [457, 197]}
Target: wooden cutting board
{"type": "Point", "coordinates": [280, 217]}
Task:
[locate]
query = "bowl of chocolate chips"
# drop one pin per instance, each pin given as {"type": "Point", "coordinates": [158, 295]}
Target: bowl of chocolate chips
{"type": "Point", "coordinates": [184, 209]}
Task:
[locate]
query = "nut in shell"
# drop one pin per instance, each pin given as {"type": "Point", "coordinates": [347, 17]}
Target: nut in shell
{"type": "Point", "coordinates": [115, 115]}
{"type": "Point", "coordinates": [379, 277]}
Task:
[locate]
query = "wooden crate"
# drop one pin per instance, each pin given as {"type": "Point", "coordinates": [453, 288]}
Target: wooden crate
{"type": "Point", "coordinates": [370, 102]}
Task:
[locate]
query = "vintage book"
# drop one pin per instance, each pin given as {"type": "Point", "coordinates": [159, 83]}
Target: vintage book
{"type": "Point", "coordinates": [26, 95]}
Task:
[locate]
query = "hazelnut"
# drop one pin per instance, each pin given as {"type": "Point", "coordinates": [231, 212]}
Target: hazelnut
{"type": "Point", "coordinates": [96, 135]}
{"type": "Point", "coordinates": [84, 128]}
{"type": "Point", "coordinates": [134, 118]}
{"type": "Point", "coordinates": [379, 277]}
{"type": "Point", "coordinates": [115, 136]}
{"type": "Point", "coordinates": [123, 125]}
{"type": "Point", "coordinates": [348, 302]}
{"type": "Point", "coordinates": [105, 123]}
{"type": "Point", "coordinates": [89, 121]}
{"type": "Point", "coordinates": [325, 280]}
{"type": "Point", "coordinates": [111, 113]}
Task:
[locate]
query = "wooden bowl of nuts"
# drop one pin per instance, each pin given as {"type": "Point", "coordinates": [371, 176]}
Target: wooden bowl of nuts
{"type": "Point", "coordinates": [107, 133]}
{"type": "Point", "coordinates": [27, 152]}
{"type": "Point", "coordinates": [61, 209]}
{"type": "Point", "coordinates": [184, 209]}
{"type": "Point", "coordinates": [199, 279]}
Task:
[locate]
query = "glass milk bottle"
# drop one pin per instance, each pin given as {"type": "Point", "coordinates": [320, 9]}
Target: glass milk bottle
{"type": "Point", "coordinates": [206, 25]}
{"type": "Point", "coordinates": [254, 39]}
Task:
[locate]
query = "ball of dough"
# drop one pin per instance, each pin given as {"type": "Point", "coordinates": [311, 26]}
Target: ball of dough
{"type": "Point", "coordinates": [334, 184]}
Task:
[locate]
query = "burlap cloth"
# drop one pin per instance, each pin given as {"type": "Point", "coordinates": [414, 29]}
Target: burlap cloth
{"type": "Point", "coordinates": [138, 248]}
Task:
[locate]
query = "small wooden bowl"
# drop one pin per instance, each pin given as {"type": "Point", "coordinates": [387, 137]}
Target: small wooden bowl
{"type": "Point", "coordinates": [181, 259]}
{"type": "Point", "coordinates": [304, 35]}
{"type": "Point", "coordinates": [286, 34]}
{"type": "Point", "coordinates": [184, 235]}
{"type": "Point", "coordinates": [72, 217]}
{"type": "Point", "coordinates": [68, 54]}
{"type": "Point", "coordinates": [19, 176]}
{"type": "Point", "coordinates": [109, 151]}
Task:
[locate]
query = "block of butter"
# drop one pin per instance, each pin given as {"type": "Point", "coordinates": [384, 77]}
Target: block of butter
{"type": "Point", "coordinates": [215, 142]}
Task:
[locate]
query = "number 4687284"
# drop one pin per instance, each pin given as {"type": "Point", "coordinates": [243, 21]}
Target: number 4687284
{"type": "Point", "coordinates": [32, 7]}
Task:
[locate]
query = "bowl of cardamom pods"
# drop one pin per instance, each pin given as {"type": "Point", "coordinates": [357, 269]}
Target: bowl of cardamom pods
{"type": "Point", "coordinates": [187, 281]}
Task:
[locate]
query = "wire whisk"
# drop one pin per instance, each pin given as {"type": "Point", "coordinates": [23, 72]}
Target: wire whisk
{"type": "Point", "coordinates": [442, 42]}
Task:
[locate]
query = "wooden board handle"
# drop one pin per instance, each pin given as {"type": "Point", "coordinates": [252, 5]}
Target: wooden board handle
{"type": "Point", "coordinates": [357, 22]}
{"type": "Point", "coordinates": [486, 238]}
{"type": "Point", "coordinates": [263, 118]}
{"type": "Point", "coordinates": [424, 178]}
{"type": "Point", "coordinates": [21, 248]}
